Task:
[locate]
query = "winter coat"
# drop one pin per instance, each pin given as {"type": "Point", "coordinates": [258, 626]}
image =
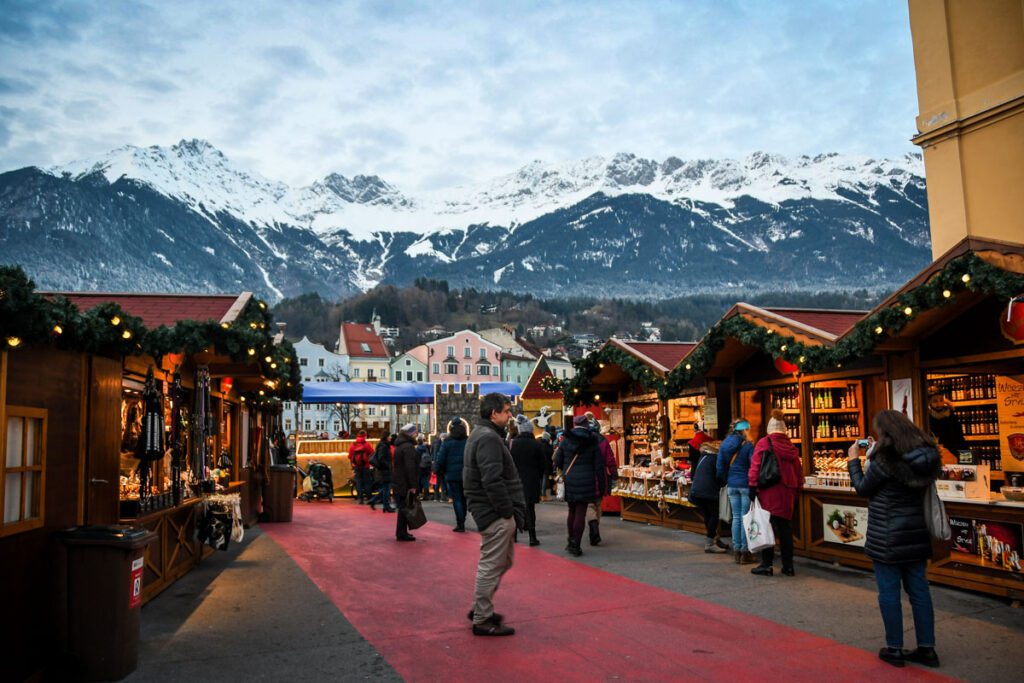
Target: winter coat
{"type": "Point", "coordinates": [489, 477]}
{"type": "Point", "coordinates": [528, 456]}
{"type": "Point", "coordinates": [359, 453]}
{"type": "Point", "coordinates": [586, 478]}
{"type": "Point", "coordinates": [549, 456]}
{"type": "Point", "coordinates": [736, 473]}
{"type": "Point", "coordinates": [779, 498]}
{"type": "Point", "coordinates": [407, 465]}
{"type": "Point", "coordinates": [895, 485]}
{"type": "Point", "coordinates": [449, 457]}
{"type": "Point", "coordinates": [382, 455]}
{"type": "Point", "coordinates": [611, 464]}
{"type": "Point", "coordinates": [705, 484]}
{"type": "Point", "coordinates": [947, 430]}
{"type": "Point", "coordinates": [423, 453]}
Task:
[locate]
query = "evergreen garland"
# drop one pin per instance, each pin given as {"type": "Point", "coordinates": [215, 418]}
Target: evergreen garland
{"type": "Point", "coordinates": [29, 319]}
{"type": "Point", "coordinates": [968, 272]}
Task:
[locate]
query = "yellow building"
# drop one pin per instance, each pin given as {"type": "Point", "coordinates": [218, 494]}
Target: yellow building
{"type": "Point", "coordinates": [969, 56]}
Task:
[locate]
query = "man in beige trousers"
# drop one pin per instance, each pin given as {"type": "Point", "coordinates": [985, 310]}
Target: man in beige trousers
{"type": "Point", "coordinates": [494, 494]}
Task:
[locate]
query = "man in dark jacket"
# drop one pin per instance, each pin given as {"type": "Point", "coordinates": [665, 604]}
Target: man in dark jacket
{"type": "Point", "coordinates": [495, 497]}
{"type": "Point", "coordinates": [381, 462]}
{"type": "Point", "coordinates": [406, 476]}
{"type": "Point", "coordinates": [528, 456]}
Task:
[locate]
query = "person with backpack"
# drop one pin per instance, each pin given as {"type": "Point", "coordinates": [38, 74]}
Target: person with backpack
{"type": "Point", "coordinates": [582, 466]}
{"type": "Point", "coordinates": [904, 465]}
{"type": "Point", "coordinates": [359, 455]}
{"type": "Point", "coordinates": [382, 467]}
{"type": "Point", "coordinates": [731, 470]}
{"type": "Point", "coordinates": [449, 467]}
{"type": "Point", "coordinates": [705, 489]}
{"type": "Point", "coordinates": [775, 478]}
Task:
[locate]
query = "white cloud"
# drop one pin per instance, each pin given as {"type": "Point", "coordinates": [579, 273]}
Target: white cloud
{"type": "Point", "coordinates": [431, 93]}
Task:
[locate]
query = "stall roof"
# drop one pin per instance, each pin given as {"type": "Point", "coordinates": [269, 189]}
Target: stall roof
{"type": "Point", "coordinates": [164, 309]}
{"type": "Point", "coordinates": [396, 393]}
{"type": "Point", "coordinates": [661, 356]}
{"type": "Point", "coordinates": [533, 389]}
{"type": "Point", "coordinates": [834, 322]}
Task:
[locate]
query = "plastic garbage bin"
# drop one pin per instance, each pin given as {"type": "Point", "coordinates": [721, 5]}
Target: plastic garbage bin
{"type": "Point", "coordinates": [104, 573]}
{"type": "Point", "coordinates": [280, 497]}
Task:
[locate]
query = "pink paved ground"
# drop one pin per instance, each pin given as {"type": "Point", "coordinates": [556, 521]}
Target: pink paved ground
{"type": "Point", "coordinates": [573, 622]}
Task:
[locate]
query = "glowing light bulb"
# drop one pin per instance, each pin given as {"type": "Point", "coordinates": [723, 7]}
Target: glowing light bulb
{"type": "Point", "coordinates": [115, 321]}
{"type": "Point", "coordinates": [252, 352]}
{"type": "Point", "coordinates": [966, 278]}
{"type": "Point", "coordinates": [878, 330]}
{"type": "Point", "coordinates": [57, 329]}
{"type": "Point", "coordinates": [946, 293]}
{"type": "Point", "coordinates": [14, 342]}
{"type": "Point", "coordinates": [127, 334]}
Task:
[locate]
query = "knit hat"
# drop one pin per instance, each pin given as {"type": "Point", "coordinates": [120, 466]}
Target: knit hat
{"type": "Point", "coordinates": [777, 425]}
{"type": "Point", "coordinates": [545, 436]}
{"type": "Point", "coordinates": [523, 424]}
{"type": "Point", "coordinates": [580, 421]}
{"type": "Point", "coordinates": [410, 428]}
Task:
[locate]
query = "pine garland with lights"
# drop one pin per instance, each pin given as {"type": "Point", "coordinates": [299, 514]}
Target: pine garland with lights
{"type": "Point", "coordinates": [28, 319]}
{"type": "Point", "coordinates": [968, 272]}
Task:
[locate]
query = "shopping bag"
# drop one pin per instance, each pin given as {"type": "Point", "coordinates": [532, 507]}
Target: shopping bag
{"type": "Point", "coordinates": [757, 525]}
{"type": "Point", "coordinates": [724, 506]}
{"type": "Point", "coordinates": [414, 514]}
{"type": "Point", "coordinates": [560, 489]}
{"type": "Point", "coordinates": [935, 515]}
{"type": "Point", "coordinates": [307, 483]}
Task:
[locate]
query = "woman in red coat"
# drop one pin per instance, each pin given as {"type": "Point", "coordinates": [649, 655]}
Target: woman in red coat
{"type": "Point", "coordinates": [779, 499]}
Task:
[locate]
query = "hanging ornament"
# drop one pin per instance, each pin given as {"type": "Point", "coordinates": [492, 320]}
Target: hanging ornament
{"type": "Point", "coordinates": [1012, 324]}
{"type": "Point", "coordinates": [150, 447]}
{"type": "Point", "coordinates": [784, 366]}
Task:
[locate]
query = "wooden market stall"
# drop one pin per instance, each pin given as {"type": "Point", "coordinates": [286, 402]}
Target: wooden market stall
{"type": "Point", "coordinates": [73, 402]}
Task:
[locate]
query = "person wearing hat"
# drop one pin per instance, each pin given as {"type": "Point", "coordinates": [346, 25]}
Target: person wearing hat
{"type": "Point", "coordinates": [611, 473]}
{"type": "Point", "coordinates": [406, 476]}
{"type": "Point", "coordinates": [449, 468]}
{"type": "Point", "coordinates": [528, 456]}
{"type": "Point", "coordinates": [359, 455]}
{"type": "Point", "coordinates": [731, 469]}
{"type": "Point", "coordinates": [945, 426]}
{"type": "Point", "coordinates": [778, 499]}
{"type": "Point", "coordinates": [583, 470]}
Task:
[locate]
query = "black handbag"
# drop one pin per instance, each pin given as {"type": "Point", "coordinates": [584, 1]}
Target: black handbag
{"type": "Point", "coordinates": [414, 515]}
{"type": "Point", "coordinates": [769, 474]}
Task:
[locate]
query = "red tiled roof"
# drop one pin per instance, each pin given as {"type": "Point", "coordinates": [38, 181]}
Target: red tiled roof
{"type": "Point", "coordinates": [831, 321]}
{"type": "Point", "coordinates": [164, 309]}
{"type": "Point", "coordinates": [664, 354]}
{"type": "Point", "coordinates": [357, 334]}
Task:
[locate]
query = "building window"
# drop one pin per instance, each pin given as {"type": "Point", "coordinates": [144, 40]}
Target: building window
{"type": "Point", "coordinates": [371, 410]}
{"type": "Point", "coordinates": [468, 369]}
{"type": "Point", "coordinates": [485, 369]}
{"type": "Point", "coordinates": [307, 425]}
{"type": "Point", "coordinates": [408, 362]}
{"type": "Point", "coordinates": [563, 373]}
{"type": "Point", "coordinates": [436, 369]}
{"type": "Point", "coordinates": [337, 426]}
{"type": "Point", "coordinates": [365, 347]}
{"type": "Point", "coordinates": [369, 373]}
{"type": "Point", "coordinates": [398, 375]}
{"type": "Point", "coordinates": [23, 470]}
{"type": "Point", "coordinates": [320, 362]}
{"type": "Point", "coordinates": [451, 368]}
{"type": "Point", "coordinates": [302, 362]}
{"type": "Point", "coordinates": [419, 376]}
{"type": "Point", "coordinates": [287, 425]}
{"type": "Point", "coordinates": [383, 373]}
{"type": "Point", "coordinates": [320, 425]}
{"type": "Point", "coordinates": [355, 372]}
{"type": "Point", "coordinates": [483, 353]}
{"type": "Point", "coordinates": [467, 352]}
{"type": "Point", "coordinates": [451, 351]}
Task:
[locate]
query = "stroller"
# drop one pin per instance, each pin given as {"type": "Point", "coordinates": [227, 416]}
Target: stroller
{"type": "Point", "coordinates": [318, 482]}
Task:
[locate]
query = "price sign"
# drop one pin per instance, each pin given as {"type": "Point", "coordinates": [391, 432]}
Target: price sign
{"type": "Point", "coordinates": [135, 588]}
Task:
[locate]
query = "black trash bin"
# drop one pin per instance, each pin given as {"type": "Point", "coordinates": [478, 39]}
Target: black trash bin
{"type": "Point", "coordinates": [279, 501]}
{"type": "Point", "coordinates": [104, 573]}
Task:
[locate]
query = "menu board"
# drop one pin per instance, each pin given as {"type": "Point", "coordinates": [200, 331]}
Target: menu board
{"type": "Point", "coordinates": [1010, 406]}
{"type": "Point", "coordinates": [845, 524]}
{"type": "Point", "coordinates": [989, 543]}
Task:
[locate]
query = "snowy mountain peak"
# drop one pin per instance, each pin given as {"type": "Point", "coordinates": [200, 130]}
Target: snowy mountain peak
{"type": "Point", "coordinates": [363, 189]}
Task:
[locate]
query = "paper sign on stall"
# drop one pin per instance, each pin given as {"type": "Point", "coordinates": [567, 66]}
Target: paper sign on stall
{"type": "Point", "coordinates": [1010, 402]}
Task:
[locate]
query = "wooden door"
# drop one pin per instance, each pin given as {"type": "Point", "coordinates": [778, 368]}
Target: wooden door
{"type": "Point", "coordinates": [104, 442]}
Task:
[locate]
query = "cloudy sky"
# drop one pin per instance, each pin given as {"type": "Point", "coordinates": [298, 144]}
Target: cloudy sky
{"type": "Point", "coordinates": [434, 94]}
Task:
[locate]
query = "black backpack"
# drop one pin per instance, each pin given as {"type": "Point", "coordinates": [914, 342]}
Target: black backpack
{"type": "Point", "coordinates": [769, 474]}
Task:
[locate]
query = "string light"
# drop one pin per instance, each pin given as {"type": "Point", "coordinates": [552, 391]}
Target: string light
{"type": "Point", "coordinates": [58, 330]}
{"type": "Point", "coordinates": [115, 321]}
{"type": "Point", "coordinates": [600, 365]}
{"type": "Point", "coordinates": [14, 342]}
{"type": "Point", "coordinates": [782, 348]}
{"type": "Point", "coordinates": [908, 311]}
{"type": "Point", "coordinates": [262, 393]}
{"type": "Point", "coordinates": [273, 366]}
{"type": "Point", "coordinates": [225, 325]}
{"type": "Point", "coordinates": [689, 367]}
{"type": "Point", "coordinates": [802, 359]}
{"type": "Point", "coordinates": [252, 352]}
{"type": "Point", "coordinates": [263, 306]}
{"type": "Point", "coordinates": [878, 330]}
{"type": "Point", "coordinates": [252, 325]}
{"type": "Point", "coordinates": [597, 397]}
{"type": "Point", "coordinates": [127, 334]}
{"type": "Point", "coordinates": [966, 278]}
{"type": "Point", "coordinates": [946, 293]}
{"type": "Point", "coordinates": [267, 359]}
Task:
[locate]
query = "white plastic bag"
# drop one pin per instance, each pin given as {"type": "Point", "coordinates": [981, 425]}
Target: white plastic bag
{"type": "Point", "coordinates": [757, 525]}
{"type": "Point", "coordinates": [560, 489]}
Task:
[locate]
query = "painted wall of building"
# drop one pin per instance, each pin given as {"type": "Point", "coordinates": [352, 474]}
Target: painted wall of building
{"type": "Point", "coordinates": [458, 359]}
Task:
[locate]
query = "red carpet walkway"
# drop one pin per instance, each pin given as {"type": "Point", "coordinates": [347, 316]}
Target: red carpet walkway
{"type": "Point", "coordinates": [573, 622]}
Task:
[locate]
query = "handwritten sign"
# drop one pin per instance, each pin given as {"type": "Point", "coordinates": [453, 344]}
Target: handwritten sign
{"type": "Point", "coordinates": [1010, 407]}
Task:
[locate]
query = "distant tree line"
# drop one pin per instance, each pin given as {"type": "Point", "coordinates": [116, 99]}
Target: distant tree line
{"type": "Point", "coordinates": [432, 302]}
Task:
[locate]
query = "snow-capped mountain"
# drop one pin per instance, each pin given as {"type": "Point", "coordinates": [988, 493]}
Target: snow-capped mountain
{"type": "Point", "coordinates": [187, 218]}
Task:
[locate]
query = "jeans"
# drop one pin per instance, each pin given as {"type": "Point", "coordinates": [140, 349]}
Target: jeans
{"type": "Point", "coordinates": [383, 496]}
{"type": "Point", "coordinates": [441, 488]}
{"type": "Point", "coordinates": [912, 576]}
{"type": "Point", "coordinates": [739, 500]}
{"type": "Point", "coordinates": [364, 482]}
{"type": "Point", "coordinates": [576, 521]}
{"type": "Point", "coordinates": [709, 511]}
{"type": "Point", "coordinates": [783, 529]}
{"type": "Point", "coordinates": [458, 501]}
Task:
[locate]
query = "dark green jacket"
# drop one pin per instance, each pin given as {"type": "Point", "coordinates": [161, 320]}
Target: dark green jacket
{"type": "Point", "coordinates": [489, 477]}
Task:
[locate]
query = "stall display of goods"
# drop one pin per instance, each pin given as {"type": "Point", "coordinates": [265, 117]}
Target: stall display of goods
{"type": "Point", "coordinates": [975, 401]}
{"type": "Point", "coordinates": [657, 482]}
{"type": "Point", "coordinates": [787, 399]}
{"type": "Point", "coordinates": [643, 431]}
{"type": "Point", "coordinates": [964, 481]}
{"type": "Point", "coordinates": [831, 469]}
{"type": "Point", "coordinates": [837, 419]}
{"type": "Point", "coordinates": [684, 413]}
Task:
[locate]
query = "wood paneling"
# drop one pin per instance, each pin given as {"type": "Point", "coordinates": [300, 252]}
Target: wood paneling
{"type": "Point", "coordinates": [104, 447]}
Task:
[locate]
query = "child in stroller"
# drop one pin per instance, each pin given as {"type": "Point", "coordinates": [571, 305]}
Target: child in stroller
{"type": "Point", "coordinates": [318, 482]}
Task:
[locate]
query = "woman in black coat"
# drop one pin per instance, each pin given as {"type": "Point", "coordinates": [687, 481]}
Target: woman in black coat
{"type": "Point", "coordinates": [528, 455]}
{"type": "Point", "coordinates": [381, 462]}
{"type": "Point", "coordinates": [903, 465]}
{"type": "Point", "coordinates": [583, 471]}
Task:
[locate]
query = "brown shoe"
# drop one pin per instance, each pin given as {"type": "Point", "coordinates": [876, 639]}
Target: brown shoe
{"type": "Point", "coordinates": [736, 556]}
{"type": "Point", "coordinates": [747, 558]}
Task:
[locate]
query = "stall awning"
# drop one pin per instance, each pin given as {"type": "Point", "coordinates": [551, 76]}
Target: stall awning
{"type": "Point", "coordinates": [397, 393]}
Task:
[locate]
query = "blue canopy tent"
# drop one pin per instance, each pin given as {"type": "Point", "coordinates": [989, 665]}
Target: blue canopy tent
{"type": "Point", "coordinates": [393, 393]}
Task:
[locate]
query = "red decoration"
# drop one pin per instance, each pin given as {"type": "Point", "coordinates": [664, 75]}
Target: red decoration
{"type": "Point", "coordinates": [225, 384]}
{"type": "Point", "coordinates": [784, 366]}
{"type": "Point", "coordinates": [1011, 322]}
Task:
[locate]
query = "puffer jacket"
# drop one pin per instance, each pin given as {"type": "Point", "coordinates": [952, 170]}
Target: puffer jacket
{"type": "Point", "coordinates": [489, 477]}
{"type": "Point", "coordinates": [734, 474]}
{"type": "Point", "coordinates": [586, 478]}
{"type": "Point", "coordinates": [450, 456]}
{"type": "Point", "coordinates": [895, 485]}
{"type": "Point", "coordinates": [705, 484]}
{"type": "Point", "coordinates": [406, 461]}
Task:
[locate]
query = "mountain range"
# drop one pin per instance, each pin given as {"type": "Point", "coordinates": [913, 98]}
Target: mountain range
{"type": "Point", "coordinates": [186, 218]}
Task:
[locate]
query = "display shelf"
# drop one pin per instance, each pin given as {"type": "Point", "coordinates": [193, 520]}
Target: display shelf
{"type": "Point", "coordinates": [974, 402]}
{"type": "Point", "coordinates": [834, 439]}
{"type": "Point", "coordinates": [981, 437]}
{"type": "Point", "coordinates": [835, 411]}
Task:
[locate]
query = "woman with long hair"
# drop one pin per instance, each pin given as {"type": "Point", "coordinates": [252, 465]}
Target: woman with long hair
{"type": "Point", "coordinates": [903, 464]}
